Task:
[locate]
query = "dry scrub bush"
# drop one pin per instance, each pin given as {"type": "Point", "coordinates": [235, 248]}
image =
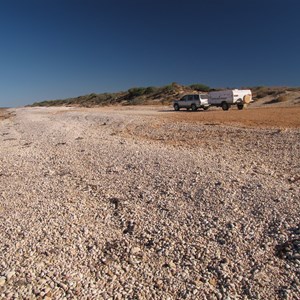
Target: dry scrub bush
{"type": "Point", "coordinates": [282, 98]}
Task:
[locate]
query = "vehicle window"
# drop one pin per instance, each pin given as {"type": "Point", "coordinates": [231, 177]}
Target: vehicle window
{"type": "Point", "coordinates": [183, 98]}
{"type": "Point", "coordinates": [190, 97]}
{"type": "Point", "coordinates": [196, 97]}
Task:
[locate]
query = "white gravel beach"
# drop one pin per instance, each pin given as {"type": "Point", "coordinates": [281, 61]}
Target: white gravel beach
{"type": "Point", "coordinates": [121, 203]}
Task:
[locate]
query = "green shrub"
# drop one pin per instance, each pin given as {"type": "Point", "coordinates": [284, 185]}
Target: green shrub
{"type": "Point", "coordinates": [150, 90]}
{"type": "Point", "coordinates": [264, 91]}
{"type": "Point", "coordinates": [200, 87]}
{"type": "Point", "coordinates": [91, 96]}
{"type": "Point", "coordinates": [136, 92]}
{"type": "Point", "coordinates": [168, 88]}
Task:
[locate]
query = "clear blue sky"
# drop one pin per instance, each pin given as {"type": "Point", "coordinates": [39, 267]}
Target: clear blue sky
{"type": "Point", "coordinates": [51, 49]}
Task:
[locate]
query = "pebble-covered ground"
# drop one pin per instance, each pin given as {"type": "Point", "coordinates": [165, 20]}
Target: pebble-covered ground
{"type": "Point", "coordinates": [132, 204]}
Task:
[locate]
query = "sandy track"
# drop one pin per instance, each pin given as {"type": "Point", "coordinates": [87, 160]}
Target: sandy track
{"type": "Point", "coordinates": [131, 204]}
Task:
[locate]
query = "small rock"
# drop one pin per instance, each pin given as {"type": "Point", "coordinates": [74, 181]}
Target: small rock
{"type": "Point", "coordinates": [213, 281]}
{"type": "Point", "coordinates": [221, 241]}
{"type": "Point", "coordinates": [63, 286]}
{"type": "Point", "coordinates": [135, 250]}
{"type": "Point", "coordinates": [197, 283]}
{"type": "Point", "coordinates": [2, 281]}
{"type": "Point", "coordinates": [159, 284]}
{"type": "Point", "coordinates": [172, 265]}
{"type": "Point", "coordinates": [10, 274]}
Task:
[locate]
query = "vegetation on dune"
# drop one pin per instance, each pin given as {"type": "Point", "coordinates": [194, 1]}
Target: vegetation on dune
{"type": "Point", "coordinates": [133, 96]}
{"type": "Point", "coordinates": [277, 93]}
{"type": "Point", "coordinates": [200, 87]}
{"type": "Point", "coordinates": [156, 95]}
{"type": "Point", "coordinates": [263, 91]}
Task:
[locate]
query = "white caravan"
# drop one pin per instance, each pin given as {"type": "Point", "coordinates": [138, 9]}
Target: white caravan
{"type": "Point", "coordinates": [227, 98]}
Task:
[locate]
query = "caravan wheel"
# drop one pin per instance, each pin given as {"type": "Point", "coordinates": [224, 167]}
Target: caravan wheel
{"type": "Point", "coordinates": [225, 105]}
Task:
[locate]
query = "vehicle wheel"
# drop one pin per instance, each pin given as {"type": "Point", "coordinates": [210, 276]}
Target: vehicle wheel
{"type": "Point", "coordinates": [205, 107]}
{"type": "Point", "coordinates": [225, 105]}
{"type": "Point", "coordinates": [194, 107]}
{"type": "Point", "coordinates": [176, 107]}
{"type": "Point", "coordinates": [240, 106]}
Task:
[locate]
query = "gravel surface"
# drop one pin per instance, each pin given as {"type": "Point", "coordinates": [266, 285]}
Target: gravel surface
{"type": "Point", "coordinates": [131, 204]}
